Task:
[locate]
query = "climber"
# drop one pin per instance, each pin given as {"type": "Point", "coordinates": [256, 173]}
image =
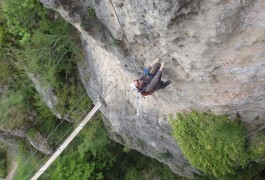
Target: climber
{"type": "Point", "coordinates": [150, 80]}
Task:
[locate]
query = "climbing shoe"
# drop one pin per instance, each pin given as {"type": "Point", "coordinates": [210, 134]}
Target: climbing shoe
{"type": "Point", "coordinates": [165, 84]}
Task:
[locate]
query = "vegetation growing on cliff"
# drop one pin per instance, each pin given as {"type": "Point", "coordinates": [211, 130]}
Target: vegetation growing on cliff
{"type": "Point", "coordinates": [214, 144]}
{"type": "Point", "coordinates": [257, 146]}
{"type": "Point", "coordinates": [22, 17]}
{"type": "Point", "coordinates": [3, 160]}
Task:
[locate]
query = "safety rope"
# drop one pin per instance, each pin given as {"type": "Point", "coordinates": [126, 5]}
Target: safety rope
{"type": "Point", "coordinates": [124, 33]}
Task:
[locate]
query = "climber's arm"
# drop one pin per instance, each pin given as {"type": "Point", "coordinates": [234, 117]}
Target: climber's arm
{"type": "Point", "coordinates": [154, 62]}
{"type": "Point", "coordinates": [154, 81]}
{"type": "Point", "coordinates": [148, 69]}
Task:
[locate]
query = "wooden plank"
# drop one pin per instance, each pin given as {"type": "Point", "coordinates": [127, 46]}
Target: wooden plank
{"type": "Point", "coordinates": [66, 142]}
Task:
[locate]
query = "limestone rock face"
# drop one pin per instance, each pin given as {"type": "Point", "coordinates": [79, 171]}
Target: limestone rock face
{"type": "Point", "coordinates": [215, 58]}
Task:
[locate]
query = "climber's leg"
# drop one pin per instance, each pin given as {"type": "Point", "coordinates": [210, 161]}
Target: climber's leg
{"type": "Point", "coordinates": [164, 84]}
{"type": "Point", "coordinates": [152, 85]}
{"type": "Point", "coordinates": [155, 68]}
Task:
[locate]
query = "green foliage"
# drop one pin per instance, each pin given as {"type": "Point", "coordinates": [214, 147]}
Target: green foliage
{"type": "Point", "coordinates": [257, 146]}
{"type": "Point", "coordinates": [46, 121]}
{"type": "Point", "coordinates": [91, 12]}
{"type": "Point", "coordinates": [87, 157]}
{"type": "Point", "coordinates": [3, 166]}
{"type": "Point", "coordinates": [250, 172]}
{"type": "Point", "coordinates": [132, 164]}
{"type": "Point", "coordinates": [96, 138]}
{"type": "Point", "coordinates": [3, 161]}
{"type": "Point", "coordinates": [46, 45]}
{"type": "Point", "coordinates": [52, 54]}
{"type": "Point", "coordinates": [132, 174]}
{"type": "Point", "coordinates": [51, 51]}
{"type": "Point", "coordinates": [89, 21]}
{"type": "Point", "coordinates": [72, 167]}
{"type": "Point", "coordinates": [126, 149]}
{"type": "Point", "coordinates": [22, 17]}
{"type": "Point", "coordinates": [32, 133]}
{"type": "Point", "coordinates": [1, 36]}
{"type": "Point", "coordinates": [4, 70]}
{"type": "Point", "coordinates": [117, 42]}
{"type": "Point", "coordinates": [68, 95]}
{"type": "Point", "coordinates": [93, 156]}
{"type": "Point", "coordinates": [27, 164]}
{"type": "Point", "coordinates": [4, 63]}
{"type": "Point", "coordinates": [16, 106]}
{"type": "Point", "coordinates": [12, 110]}
{"type": "Point", "coordinates": [210, 142]}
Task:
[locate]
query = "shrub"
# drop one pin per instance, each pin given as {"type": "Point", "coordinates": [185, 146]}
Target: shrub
{"type": "Point", "coordinates": [72, 167]}
{"type": "Point", "coordinates": [3, 161]}
{"type": "Point", "coordinates": [91, 12]}
{"type": "Point", "coordinates": [257, 146]}
{"type": "Point", "coordinates": [27, 164]}
{"type": "Point", "coordinates": [13, 112]}
{"type": "Point", "coordinates": [32, 133]}
{"type": "Point", "coordinates": [117, 42]}
{"type": "Point", "coordinates": [87, 157]}
{"type": "Point", "coordinates": [22, 16]}
{"type": "Point", "coordinates": [3, 168]}
{"type": "Point", "coordinates": [132, 174]}
{"type": "Point", "coordinates": [210, 142]}
{"type": "Point", "coordinates": [4, 69]}
{"type": "Point", "coordinates": [52, 54]}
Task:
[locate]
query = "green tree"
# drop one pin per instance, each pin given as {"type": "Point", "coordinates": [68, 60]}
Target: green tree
{"type": "Point", "coordinates": [72, 167]}
{"type": "Point", "coordinates": [22, 17]}
{"type": "Point", "coordinates": [87, 157]}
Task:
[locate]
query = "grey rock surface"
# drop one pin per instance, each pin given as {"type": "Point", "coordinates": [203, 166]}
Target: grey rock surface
{"type": "Point", "coordinates": [39, 143]}
{"type": "Point", "coordinates": [10, 141]}
{"type": "Point", "coordinates": [19, 133]}
{"type": "Point", "coordinates": [215, 57]}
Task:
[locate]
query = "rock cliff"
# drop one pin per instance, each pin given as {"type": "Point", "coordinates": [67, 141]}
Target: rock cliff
{"type": "Point", "coordinates": [215, 57]}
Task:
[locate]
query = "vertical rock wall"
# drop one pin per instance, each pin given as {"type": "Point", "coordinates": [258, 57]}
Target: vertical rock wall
{"type": "Point", "coordinates": [215, 57]}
